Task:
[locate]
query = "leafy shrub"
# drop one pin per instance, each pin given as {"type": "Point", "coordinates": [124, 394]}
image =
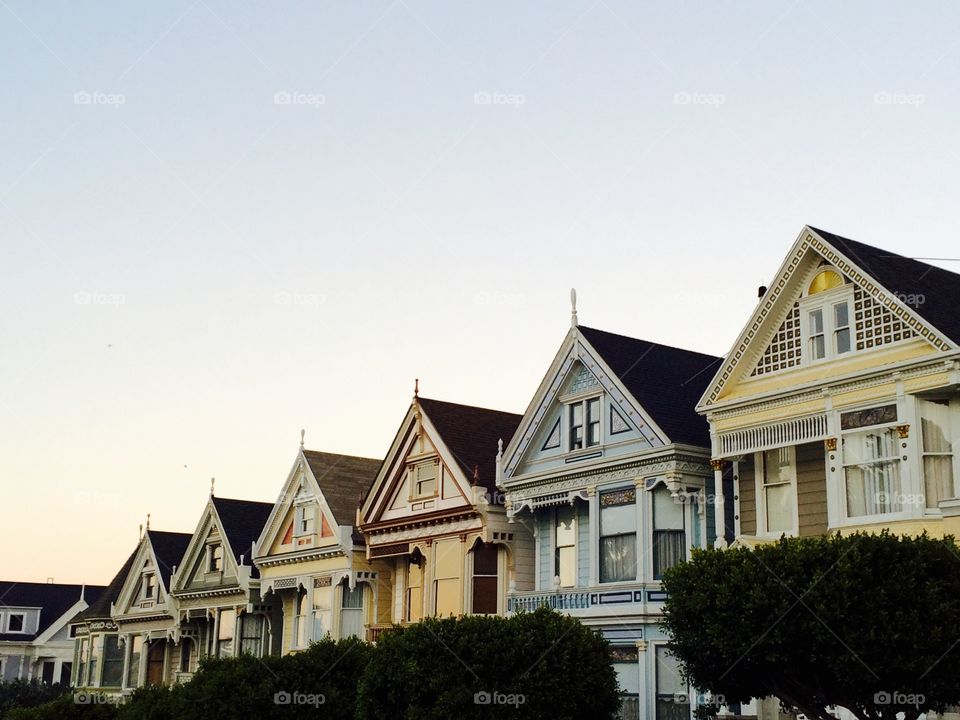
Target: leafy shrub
{"type": "Point", "coordinates": [65, 707]}
{"type": "Point", "coordinates": [21, 694]}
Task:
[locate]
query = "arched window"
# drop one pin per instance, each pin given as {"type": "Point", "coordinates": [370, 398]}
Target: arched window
{"type": "Point", "coordinates": [823, 281]}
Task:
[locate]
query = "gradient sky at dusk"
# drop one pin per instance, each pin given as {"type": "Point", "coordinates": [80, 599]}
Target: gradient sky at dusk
{"type": "Point", "coordinates": [223, 221]}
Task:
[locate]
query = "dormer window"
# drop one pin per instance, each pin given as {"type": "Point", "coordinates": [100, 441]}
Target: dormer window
{"type": "Point", "coordinates": [584, 424]}
{"type": "Point", "coordinates": [149, 586]}
{"type": "Point", "coordinates": [425, 479]}
{"type": "Point", "coordinates": [215, 558]}
{"type": "Point", "coordinates": [826, 323]}
{"type": "Point", "coordinates": [16, 622]}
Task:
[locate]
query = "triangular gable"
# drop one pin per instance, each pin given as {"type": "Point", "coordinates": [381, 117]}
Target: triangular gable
{"type": "Point", "coordinates": [417, 453]}
{"type": "Point", "coordinates": [195, 566]}
{"type": "Point", "coordinates": [577, 370]}
{"type": "Point", "coordinates": [771, 340]}
{"type": "Point", "coordinates": [130, 601]}
{"type": "Point", "coordinates": [282, 533]}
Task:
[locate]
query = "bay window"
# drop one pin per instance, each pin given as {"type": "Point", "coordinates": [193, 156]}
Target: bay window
{"type": "Point", "coordinates": [251, 635]}
{"type": "Point", "coordinates": [565, 546]}
{"type": "Point", "coordinates": [351, 611]}
{"type": "Point", "coordinates": [413, 602]}
{"type": "Point", "coordinates": [133, 666]}
{"type": "Point", "coordinates": [446, 574]}
{"type": "Point", "coordinates": [669, 537]}
{"type": "Point", "coordinates": [777, 498]}
{"type": "Point", "coordinates": [871, 468]}
{"type": "Point", "coordinates": [937, 450]}
{"type": "Point", "coordinates": [322, 607]}
{"type": "Point", "coordinates": [618, 536]}
{"type": "Point", "coordinates": [82, 647]}
{"type": "Point", "coordinates": [300, 619]}
{"type": "Point", "coordinates": [225, 630]}
{"type": "Point", "coordinates": [112, 673]}
{"type": "Point", "coordinates": [96, 651]}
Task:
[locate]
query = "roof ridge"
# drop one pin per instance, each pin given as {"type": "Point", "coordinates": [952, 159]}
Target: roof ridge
{"type": "Point", "coordinates": [649, 342]}
{"type": "Point", "coordinates": [341, 455]}
{"type": "Point", "coordinates": [469, 407]}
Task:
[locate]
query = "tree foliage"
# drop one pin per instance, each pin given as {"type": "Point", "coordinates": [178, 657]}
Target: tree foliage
{"type": "Point", "coordinates": [867, 622]}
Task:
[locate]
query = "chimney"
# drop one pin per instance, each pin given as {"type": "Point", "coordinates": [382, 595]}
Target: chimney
{"type": "Point", "coordinates": [761, 291]}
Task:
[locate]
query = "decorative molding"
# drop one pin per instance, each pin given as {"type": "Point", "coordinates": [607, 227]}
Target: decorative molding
{"type": "Point", "coordinates": [830, 444]}
{"type": "Point", "coordinates": [903, 431]}
{"type": "Point", "coordinates": [416, 533]}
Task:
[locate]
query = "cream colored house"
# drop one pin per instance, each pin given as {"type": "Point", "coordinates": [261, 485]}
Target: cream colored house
{"type": "Point", "coordinates": [434, 521]}
{"type": "Point", "coordinates": [310, 556]}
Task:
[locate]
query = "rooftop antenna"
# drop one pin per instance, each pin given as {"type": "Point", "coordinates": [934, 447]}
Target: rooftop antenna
{"type": "Point", "coordinates": [303, 433]}
{"type": "Point", "coordinates": [573, 307]}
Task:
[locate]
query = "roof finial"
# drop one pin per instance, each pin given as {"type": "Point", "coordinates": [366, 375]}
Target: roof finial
{"type": "Point", "coordinates": [416, 387]}
{"type": "Point", "coordinates": [140, 532]}
{"type": "Point", "coordinates": [573, 307]}
{"type": "Point", "coordinates": [499, 448]}
{"type": "Point", "coordinates": [213, 481]}
{"type": "Point", "coordinates": [148, 521]}
{"type": "Point", "coordinates": [303, 433]}
{"type": "Point", "coordinates": [476, 474]}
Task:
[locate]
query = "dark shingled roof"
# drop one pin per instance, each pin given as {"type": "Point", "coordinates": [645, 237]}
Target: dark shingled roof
{"type": "Point", "coordinates": [666, 381]}
{"type": "Point", "coordinates": [242, 522]}
{"type": "Point", "coordinates": [471, 434]}
{"type": "Point", "coordinates": [54, 599]}
{"type": "Point", "coordinates": [168, 547]}
{"type": "Point", "coordinates": [100, 610]}
{"type": "Point", "coordinates": [343, 480]}
{"type": "Point", "coordinates": [904, 276]}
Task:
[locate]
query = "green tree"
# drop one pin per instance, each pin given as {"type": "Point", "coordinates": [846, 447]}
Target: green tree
{"type": "Point", "coordinates": [867, 622]}
{"type": "Point", "coordinates": [537, 665]}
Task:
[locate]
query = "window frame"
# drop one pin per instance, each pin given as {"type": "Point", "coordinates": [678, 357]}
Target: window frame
{"type": "Point", "coordinates": [953, 409]}
{"type": "Point", "coordinates": [687, 530]}
{"type": "Point", "coordinates": [846, 519]}
{"type": "Point", "coordinates": [22, 614]}
{"type": "Point", "coordinates": [760, 491]}
{"type": "Point", "coordinates": [495, 548]}
{"type": "Point", "coordinates": [149, 587]}
{"type": "Point", "coordinates": [415, 492]}
{"type": "Point", "coordinates": [601, 536]}
{"type": "Point", "coordinates": [212, 549]}
{"type": "Point", "coordinates": [587, 421]}
{"type": "Point", "coordinates": [825, 302]}
{"type": "Point", "coordinates": [657, 647]}
{"type": "Point", "coordinates": [556, 546]}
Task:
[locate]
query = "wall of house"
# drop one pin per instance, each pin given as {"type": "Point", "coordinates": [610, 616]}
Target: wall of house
{"type": "Point", "coordinates": [811, 489]}
{"type": "Point", "coordinates": [748, 497]}
{"type": "Point", "coordinates": [544, 521]}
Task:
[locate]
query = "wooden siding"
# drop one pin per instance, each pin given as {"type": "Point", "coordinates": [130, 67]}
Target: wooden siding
{"type": "Point", "coordinates": [811, 489]}
{"type": "Point", "coordinates": [748, 497]}
{"type": "Point", "coordinates": [583, 544]}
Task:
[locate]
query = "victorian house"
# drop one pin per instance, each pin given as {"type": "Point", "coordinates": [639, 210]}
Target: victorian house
{"type": "Point", "coordinates": [98, 657]}
{"type": "Point", "coordinates": [145, 612]}
{"type": "Point", "coordinates": [217, 588]}
{"type": "Point", "coordinates": [36, 639]}
{"type": "Point", "coordinates": [434, 521]}
{"type": "Point", "coordinates": [314, 576]}
{"type": "Point", "coordinates": [610, 469]}
{"type": "Point", "coordinates": [837, 408]}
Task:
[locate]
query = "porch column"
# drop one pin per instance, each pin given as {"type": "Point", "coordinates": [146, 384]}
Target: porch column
{"type": "Point", "coordinates": [719, 512]}
{"type": "Point", "coordinates": [593, 516]}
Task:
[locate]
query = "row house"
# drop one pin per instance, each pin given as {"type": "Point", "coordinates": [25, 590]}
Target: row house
{"type": "Point", "coordinates": [434, 521]}
{"type": "Point", "coordinates": [36, 640]}
{"type": "Point", "coordinates": [837, 408]}
{"type": "Point", "coordinates": [610, 471]}
{"type": "Point", "coordinates": [310, 554]}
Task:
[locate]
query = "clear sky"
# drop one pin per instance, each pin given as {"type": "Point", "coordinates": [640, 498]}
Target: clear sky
{"type": "Point", "coordinates": [222, 221]}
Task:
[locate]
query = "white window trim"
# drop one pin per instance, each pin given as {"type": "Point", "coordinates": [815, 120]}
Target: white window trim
{"type": "Point", "coordinates": [825, 301]}
{"type": "Point", "coordinates": [566, 424]}
{"type": "Point", "coordinates": [412, 480]}
{"type": "Point", "coordinates": [23, 628]}
{"type": "Point", "coordinates": [759, 490]}
{"type": "Point", "coordinates": [652, 674]}
{"type": "Point", "coordinates": [576, 549]}
{"type": "Point", "coordinates": [954, 439]}
{"type": "Point", "coordinates": [845, 520]}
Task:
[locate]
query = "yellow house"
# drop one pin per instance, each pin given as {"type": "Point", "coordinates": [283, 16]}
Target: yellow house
{"type": "Point", "coordinates": [434, 520]}
{"type": "Point", "coordinates": [310, 556]}
{"type": "Point", "coordinates": [837, 408]}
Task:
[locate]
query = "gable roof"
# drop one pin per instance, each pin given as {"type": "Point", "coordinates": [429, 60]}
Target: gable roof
{"type": "Point", "coordinates": [901, 275]}
{"type": "Point", "coordinates": [168, 548]}
{"type": "Point", "coordinates": [471, 434]}
{"type": "Point", "coordinates": [242, 522]}
{"type": "Point", "coordinates": [53, 599]}
{"type": "Point", "coordinates": [343, 480]}
{"type": "Point", "coordinates": [100, 608]}
{"type": "Point", "coordinates": [666, 381]}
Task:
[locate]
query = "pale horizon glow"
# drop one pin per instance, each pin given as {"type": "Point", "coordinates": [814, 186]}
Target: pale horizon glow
{"type": "Point", "coordinates": [223, 222]}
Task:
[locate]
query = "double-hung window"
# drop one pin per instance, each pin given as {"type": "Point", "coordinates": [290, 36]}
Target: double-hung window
{"type": "Point", "coordinates": [485, 560]}
{"type": "Point", "coordinates": [777, 498]}
{"type": "Point", "coordinates": [565, 546]}
{"type": "Point", "coordinates": [584, 425]}
{"type": "Point", "coordinates": [871, 461]}
{"type": "Point", "coordinates": [322, 607]}
{"type": "Point", "coordinates": [413, 602]}
{"type": "Point", "coordinates": [251, 634]}
{"type": "Point", "coordinates": [425, 479]}
{"type": "Point", "coordinates": [672, 692]}
{"type": "Point", "coordinates": [351, 611]}
{"type": "Point", "coordinates": [618, 536]}
{"type": "Point", "coordinates": [826, 326]}
{"type": "Point", "coordinates": [669, 537]}
{"type": "Point", "coordinates": [225, 631]}
{"type": "Point", "coordinates": [937, 437]}
{"type": "Point", "coordinates": [215, 558]}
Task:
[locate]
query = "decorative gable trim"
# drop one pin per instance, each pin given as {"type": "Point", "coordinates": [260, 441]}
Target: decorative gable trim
{"type": "Point", "coordinates": [809, 240]}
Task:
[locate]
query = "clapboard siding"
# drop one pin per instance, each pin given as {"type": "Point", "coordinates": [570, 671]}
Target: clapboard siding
{"type": "Point", "coordinates": [583, 545]}
{"type": "Point", "coordinates": [545, 548]}
{"type": "Point", "coordinates": [811, 489]}
{"type": "Point", "coordinates": [748, 497]}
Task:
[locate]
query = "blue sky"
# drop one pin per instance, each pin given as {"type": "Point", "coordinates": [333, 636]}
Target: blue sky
{"type": "Point", "coordinates": [223, 221]}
